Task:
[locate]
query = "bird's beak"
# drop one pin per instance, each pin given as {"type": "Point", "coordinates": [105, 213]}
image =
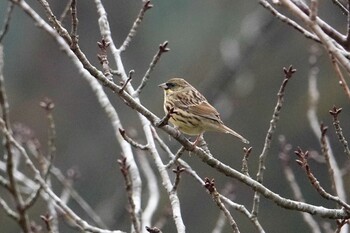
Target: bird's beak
{"type": "Point", "coordinates": [163, 86]}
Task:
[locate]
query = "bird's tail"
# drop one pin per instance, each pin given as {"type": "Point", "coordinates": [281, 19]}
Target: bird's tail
{"type": "Point", "coordinates": [230, 131]}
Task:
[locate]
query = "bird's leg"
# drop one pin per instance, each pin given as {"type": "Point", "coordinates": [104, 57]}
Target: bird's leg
{"type": "Point", "coordinates": [198, 139]}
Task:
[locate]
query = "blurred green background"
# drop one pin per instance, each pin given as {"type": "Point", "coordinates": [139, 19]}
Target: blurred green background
{"type": "Point", "coordinates": [232, 51]}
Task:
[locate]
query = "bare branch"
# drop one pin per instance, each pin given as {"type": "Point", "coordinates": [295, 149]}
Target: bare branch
{"type": "Point", "coordinates": [268, 139]}
{"type": "Point", "coordinates": [247, 152]}
{"type": "Point", "coordinates": [297, 191]}
{"type": "Point", "coordinates": [103, 58]}
{"type": "Point", "coordinates": [162, 49]}
{"type": "Point", "coordinates": [23, 220]}
{"type": "Point", "coordinates": [146, 6]}
{"type": "Point", "coordinates": [210, 186]}
{"type": "Point", "coordinates": [302, 161]}
{"type": "Point", "coordinates": [131, 72]}
{"type": "Point", "coordinates": [342, 81]}
{"type": "Point", "coordinates": [124, 168]}
{"type": "Point", "coordinates": [335, 112]}
{"type": "Point", "coordinates": [65, 11]}
{"type": "Point", "coordinates": [38, 178]}
{"type": "Point", "coordinates": [341, 7]}
{"type": "Point", "coordinates": [288, 21]}
{"type": "Point", "coordinates": [132, 142]}
{"type": "Point", "coordinates": [12, 214]}
{"type": "Point", "coordinates": [74, 32]}
{"type": "Point", "coordinates": [324, 149]}
{"type": "Point", "coordinates": [176, 157]}
{"type": "Point", "coordinates": [7, 20]}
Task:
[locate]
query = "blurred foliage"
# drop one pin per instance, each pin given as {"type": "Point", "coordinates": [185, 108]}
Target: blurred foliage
{"type": "Point", "coordinates": [233, 51]}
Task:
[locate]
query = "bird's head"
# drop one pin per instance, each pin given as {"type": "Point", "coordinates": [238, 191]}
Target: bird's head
{"type": "Point", "coordinates": [174, 85]}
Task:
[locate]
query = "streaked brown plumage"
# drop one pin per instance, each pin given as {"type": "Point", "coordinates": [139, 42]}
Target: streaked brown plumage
{"type": "Point", "coordinates": [192, 114]}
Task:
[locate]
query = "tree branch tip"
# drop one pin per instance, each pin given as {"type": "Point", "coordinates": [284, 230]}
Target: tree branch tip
{"type": "Point", "coordinates": [124, 168]}
{"type": "Point", "coordinates": [46, 218]}
{"type": "Point", "coordinates": [104, 44]}
{"type": "Point", "coordinates": [179, 170]}
{"type": "Point", "coordinates": [47, 104]}
{"type": "Point", "coordinates": [163, 48]}
{"type": "Point", "coordinates": [299, 152]}
{"type": "Point", "coordinates": [335, 111]}
{"type": "Point", "coordinates": [247, 150]}
{"type": "Point", "coordinates": [289, 71]}
{"type": "Point", "coordinates": [147, 5]}
{"type": "Point", "coordinates": [127, 81]}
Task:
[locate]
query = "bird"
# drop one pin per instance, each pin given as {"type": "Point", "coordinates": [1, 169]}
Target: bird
{"type": "Point", "coordinates": [190, 112]}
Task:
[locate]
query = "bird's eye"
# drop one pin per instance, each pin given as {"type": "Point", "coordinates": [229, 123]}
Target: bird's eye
{"type": "Point", "coordinates": [170, 85]}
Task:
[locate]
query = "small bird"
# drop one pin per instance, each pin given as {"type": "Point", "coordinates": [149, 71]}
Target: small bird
{"type": "Point", "coordinates": [191, 112]}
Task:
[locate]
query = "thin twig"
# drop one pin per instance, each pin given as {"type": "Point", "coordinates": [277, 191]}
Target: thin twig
{"type": "Point", "coordinates": [302, 161]}
{"type": "Point", "coordinates": [335, 112]}
{"type": "Point", "coordinates": [210, 186]}
{"type": "Point", "coordinates": [74, 32]}
{"type": "Point", "coordinates": [245, 169]}
{"type": "Point", "coordinates": [177, 156]}
{"type": "Point", "coordinates": [124, 168]}
{"type": "Point", "coordinates": [48, 105]}
{"type": "Point", "coordinates": [153, 189]}
{"type": "Point", "coordinates": [103, 58]}
{"type": "Point", "coordinates": [343, 9]}
{"type": "Point", "coordinates": [7, 20]}
{"type": "Point", "coordinates": [146, 6]}
{"type": "Point", "coordinates": [324, 149]}
{"type": "Point", "coordinates": [289, 21]}
{"type": "Point", "coordinates": [177, 172]}
{"type": "Point", "coordinates": [50, 16]}
{"type": "Point", "coordinates": [23, 220]}
{"type": "Point", "coordinates": [132, 142]}
{"type": "Point", "coordinates": [342, 81]}
{"type": "Point", "coordinates": [131, 72]}
{"type": "Point", "coordinates": [297, 191]}
{"type": "Point", "coordinates": [162, 49]}
{"type": "Point", "coordinates": [268, 139]}
{"type": "Point", "coordinates": [348, 20]}
{"type": "Point", "coordinates": [8, 211]}
{"type": "Point", "coordinates": [80, 223]}
{"type": "Point", "coordinates": [65, 11]}
{"type": "Point", "coordinates": [48, 222]}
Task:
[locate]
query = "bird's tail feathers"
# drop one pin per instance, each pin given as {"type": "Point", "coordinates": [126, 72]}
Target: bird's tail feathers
{"type": "Point", "coordinates": [232, 132]}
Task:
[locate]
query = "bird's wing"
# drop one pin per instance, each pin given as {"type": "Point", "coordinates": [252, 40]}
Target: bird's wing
{"type": "Point", "coordinates": [202, 109]}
